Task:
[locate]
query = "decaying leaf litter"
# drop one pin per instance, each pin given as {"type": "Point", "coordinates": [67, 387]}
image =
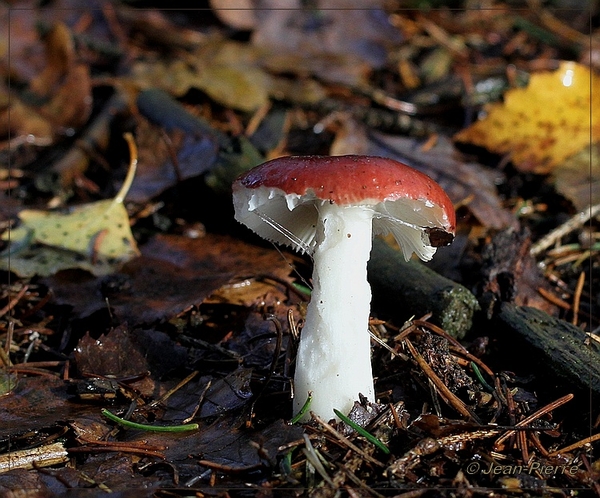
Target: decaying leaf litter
{"type": "Point", "coordinates": [196, 334]}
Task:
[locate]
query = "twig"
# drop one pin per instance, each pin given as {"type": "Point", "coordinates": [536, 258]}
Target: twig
{"type": "Point", "coordinates": [578, 444]}
{"type": "Point", "coordinates": [130, 444]}
{"type": "Point", "coordinates": [574, 223]}
{"type": "Point", "coordinates": [577, 297]}
{"type": "Point", "coordinates": [542, 411]}
{"type": "Point", "coordinates": [173, 390]}
{"type": "Point", "coordinates": [227, 469]}
{"type": "Point", "coordinates": [556, 26]}
{"type": "Point", "coordinates": [549, 296]}
{"type": "Point", "coordinates": [448, 395]}
{"type": "Point", "coordinates": [23, 368]}
{"type": "Point", "coordinates": [13, 302]}
{"type": "Point", "coordinates": [358, 482]}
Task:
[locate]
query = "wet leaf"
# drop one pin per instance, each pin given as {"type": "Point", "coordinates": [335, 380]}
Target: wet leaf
{"type": "Point", "coordinates": [238, 449]}
{"type": "Point", "coordinates": [542, 125]}
{"type": "Point", "coordinates": [112, 354]}
{"type": "Point", "coordinates": [228, 393]}
{"type": "Point", "coordinates": [35, 402]}
{"type": "Point", "coordinates": [156, 171]}
{"type": "Point", "coordinates": [162, 354]}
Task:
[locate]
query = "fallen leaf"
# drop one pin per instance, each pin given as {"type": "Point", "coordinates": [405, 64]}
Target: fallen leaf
{"type": "Point", "coordinates": [227, 394]}
{"type": "Point", "coordinates": [326, 28]}
{"type": "Point", "coordinates": [238, 86]}
{"type": "Point", "coordinates": [542, 125]}
{"type": "Point", "coordinates": [227, 445]}
{"type": "Point", "coordinates": [578, 177]}
{"type": "Point", "coordinates": [71, 105]}
{"type": "Point", "coordinates": [244, 88]}
{"type": "Point", "coordinates": [112, 354]}
{"type": "Point", "coordinates": [156, 172]}
{"type": "Point", "coordinates": [95, 237]}
{"type": "Point", "coordinates": [172, 274]}
{"type": "Point", "coordinates": [63, 83]}
{"type": "Point", "coordinates": [37, 402]}
{"type": "Point", "coordinates": [25, 124]}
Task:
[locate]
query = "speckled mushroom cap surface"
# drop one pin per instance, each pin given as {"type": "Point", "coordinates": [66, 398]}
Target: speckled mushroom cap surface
{"type": "Point", "coordinates": [279, 200]}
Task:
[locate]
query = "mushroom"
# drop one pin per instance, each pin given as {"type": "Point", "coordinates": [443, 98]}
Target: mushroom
{"type": "Point", "coordinates": [329, 207]}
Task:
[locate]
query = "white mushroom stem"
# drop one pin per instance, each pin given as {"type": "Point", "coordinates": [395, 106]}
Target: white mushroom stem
{"type": "Point", "coordinates": [333, 358]}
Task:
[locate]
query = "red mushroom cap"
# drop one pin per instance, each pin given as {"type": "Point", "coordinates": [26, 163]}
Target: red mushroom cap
{"type": "Point", "coordinates": [402, 198]}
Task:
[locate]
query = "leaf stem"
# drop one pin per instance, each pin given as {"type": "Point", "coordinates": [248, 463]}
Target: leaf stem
{"type": "Point", "coordinates": [133, 159]}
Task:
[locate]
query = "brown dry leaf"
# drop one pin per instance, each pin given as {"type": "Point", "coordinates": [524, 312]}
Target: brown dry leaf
{"type": "Point", "coordinates": [60, 56]}
{"type": "Point", "coordinates": [578, 178]}
{"type": "Point", "coordinates": [62, 91]}
{"type": "Point", "coordinates": [111, 354]}
{"type": "Point", "coordinates": [71, 105]}
{"type": "Point", "coordinates": [172, 274]}
{"type": "Point", "coordinates": [542, 125]}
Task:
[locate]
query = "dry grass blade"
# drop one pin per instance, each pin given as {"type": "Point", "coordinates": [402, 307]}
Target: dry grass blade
{"type": "Point", "coordinates": [312, 457]}
{"type": "Point", "coordinates": [569, 226]}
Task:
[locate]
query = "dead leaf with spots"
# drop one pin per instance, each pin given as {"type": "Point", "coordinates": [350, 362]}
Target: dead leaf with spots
{"type": "Point", "coordinates": [542, 125]}
{"type": "Point", "coordinates": [94, 237]}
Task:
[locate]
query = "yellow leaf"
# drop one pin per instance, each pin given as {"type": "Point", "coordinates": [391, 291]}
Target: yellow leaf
{"type": "Point", "coordinates": [543, 124]}
{"type": "Point", "coordinates": [99, 229]}
{"type": "Point", "coordinates": [241, 87]}
{"type": "Point", "coordinates": [95, 236]}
